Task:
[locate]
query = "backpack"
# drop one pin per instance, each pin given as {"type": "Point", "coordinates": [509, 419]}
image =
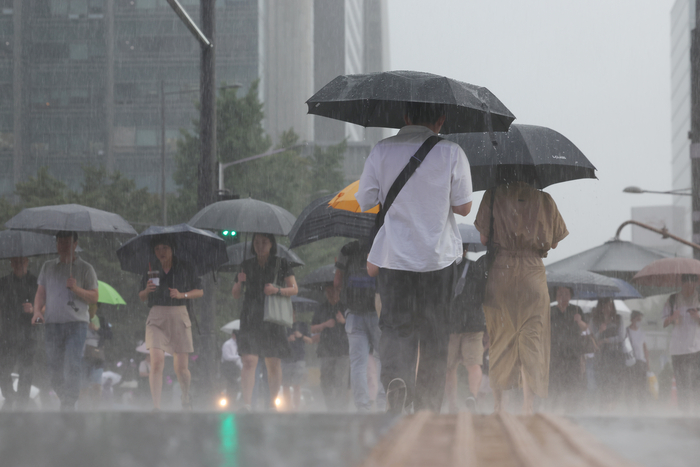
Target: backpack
{"type": "Point", "coordinates": [358, 287]}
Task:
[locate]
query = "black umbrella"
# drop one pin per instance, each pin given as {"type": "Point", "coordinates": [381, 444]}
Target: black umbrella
{"type": "Point", "coordinates": [50, 219]}
{"type": "Point", "coordinates": [582, 283]}
{"type": "Point", "coordinates": [303, 304]}
{"type": "Point", "coordinates": [244, 215]}
{"type": "Point", "coordinates": [533, 154]}
{"type": "Point", "coordinates": [203, 250]}
{"type": "Point", "coordinates": [379, 100]}
{"type": "Point", "coordinates": [471, 237]}
{"type": "Point", "coordinates": [319, 276]}
{"type": "Point", "coordinates": [626, 291]}
{"type": "Point", "coordinates": [238, 252]}
{"type": "Point", "coordinates": [318, 221]}
{"type": "Point", "coordinates": [14, 243]}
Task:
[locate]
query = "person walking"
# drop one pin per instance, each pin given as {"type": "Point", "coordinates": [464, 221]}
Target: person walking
{"type": "Point", "coordinates": [609, 333]}
{"type": "Point", "coordinates": [17, 337]}
{"type": "Point", "coordinates": [231, 365]}
{"type": "Point", "coordinates": [328, 329]}
{"type": "Point", "coordinates": [567, 361]}
{"type": "Point", "coordinates": [526, 225]}
{"type": "Point", "coordinates": [637, 384]}
{"type": "Point", "coordinates": [681, 311]}
{"type": "Point", "coordinates": [168, 326]}
{"type": "Point", "coordinates": [257, 337]}
{"type": "Point", "coordinates": [414, 253]}
{"type": "Point", "coordinates": [357, 292]}
{"type": "Point", "coordinates": [66, 287]}
{"type": "Point", "coordinates": [466, 346]}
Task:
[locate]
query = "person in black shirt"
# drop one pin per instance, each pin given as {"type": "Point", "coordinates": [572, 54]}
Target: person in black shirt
{"type": "Point", "coordinates": [566, 361]}
{"type": "Point", "coordinates": [17, 342]}
{"type": "Point", "coordinates": [168, 326]}
{"type": "Point", "coordinates": [259, 277]}
{"type": "Point", "coordinates": [333, 349]}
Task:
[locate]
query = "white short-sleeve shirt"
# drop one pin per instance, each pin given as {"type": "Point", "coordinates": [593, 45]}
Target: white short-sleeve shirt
{"type": "Point", "coordinates": [685, 336]}
{"type": "Point", "coordinates": [419, 232]}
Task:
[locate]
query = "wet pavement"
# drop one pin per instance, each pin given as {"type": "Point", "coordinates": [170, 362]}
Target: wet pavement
{"type": "Point", "coordinates": [174, 439]}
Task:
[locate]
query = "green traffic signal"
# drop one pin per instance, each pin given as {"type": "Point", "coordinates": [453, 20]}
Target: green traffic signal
{"type": "Point", "coordinates": [228, 233]}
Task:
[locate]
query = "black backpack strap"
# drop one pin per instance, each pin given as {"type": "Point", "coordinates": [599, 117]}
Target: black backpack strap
{"type": "Point", "coordinates": [403, 177]}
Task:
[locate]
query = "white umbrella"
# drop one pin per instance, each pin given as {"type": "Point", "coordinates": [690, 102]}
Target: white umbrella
{"type": "Point", "coordinates": [234, 325]}
{"type": "Point", "coordinates": [110, 375]}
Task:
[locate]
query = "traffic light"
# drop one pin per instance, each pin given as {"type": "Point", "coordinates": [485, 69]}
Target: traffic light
{"type": "Point", "coordinates": [229, 236]}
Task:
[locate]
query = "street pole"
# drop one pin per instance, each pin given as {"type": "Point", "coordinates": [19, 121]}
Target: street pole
{"type": "Point", "coordinates": [695, 128]}
{"type": "Point", "coordinates": [205, 190]}
{"type": "Point", "coordinates": [163, 201]}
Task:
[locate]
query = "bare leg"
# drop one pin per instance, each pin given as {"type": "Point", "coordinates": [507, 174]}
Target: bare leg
{"type": "Point", "coordinates": [474, 379]}
{"type": "Point", "coordinates": [250, 362]}
{"type": "Point", "coordinates": [451, 389]}
{"type": "Point", "coordinates": [183, 375]}
{"type": "Point", "coordinates": [155, 377]}
{"type": "Point", "coordinates": [274, 377]}
{"type": "Point", "coordinates": [528, 408]}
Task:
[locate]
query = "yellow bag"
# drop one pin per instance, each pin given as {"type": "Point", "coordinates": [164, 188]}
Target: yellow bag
{"type": "Point", "coordinates": [653, 384]}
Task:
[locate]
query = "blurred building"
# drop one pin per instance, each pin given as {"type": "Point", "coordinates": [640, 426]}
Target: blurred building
{"type": "Point", "coordinates": [80, 79]}
{"type": "Point", "coordinates": [682, 23]}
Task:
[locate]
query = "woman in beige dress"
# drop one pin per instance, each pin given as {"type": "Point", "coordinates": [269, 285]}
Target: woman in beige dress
{"type": "Point", "coordinates": [168, 326]}
{"type": "Point", "coordinates": [527, 224]}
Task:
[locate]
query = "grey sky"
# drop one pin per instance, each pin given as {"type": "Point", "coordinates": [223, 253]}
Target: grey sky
{"type": "Point", "coordinates": [596, 71]}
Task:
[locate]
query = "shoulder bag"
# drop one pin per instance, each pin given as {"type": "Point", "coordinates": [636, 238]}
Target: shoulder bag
{"type": "Point", "coordinates": [278, 308]}
{"type": "Point", "coordinates": [400, 181]}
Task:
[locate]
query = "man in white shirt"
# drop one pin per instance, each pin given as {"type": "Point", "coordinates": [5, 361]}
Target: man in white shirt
{"type": "Point", "coordinates": [414, 254]}
{"type": "Point", "coordinates": [231, 365]}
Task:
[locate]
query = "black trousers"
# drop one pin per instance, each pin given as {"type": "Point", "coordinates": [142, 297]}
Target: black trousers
{"type": "Point", "coordinates": [22, 355]}
{"type": "Point", "coordinates": [414, 315]}
{"type": "Point", "coordinates": [686, 369]}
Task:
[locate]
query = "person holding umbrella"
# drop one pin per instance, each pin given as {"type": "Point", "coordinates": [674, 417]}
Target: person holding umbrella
{"type": "Point", "coordinates": [17, 340]}
{"type": "Point", "coordinates": [523, 224]}
{"type": "Point", "coordinates": [66, 287]}
{"type": "Point", "coordinates": [257, 337]}
{"type": "Point", "coordinates": [168, 327]}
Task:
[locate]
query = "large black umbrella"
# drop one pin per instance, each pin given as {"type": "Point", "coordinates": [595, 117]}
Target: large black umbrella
{"type": "Point", "coordinates": [50, 219]}
{"type": "Point", "coordinates": [14, 243]}
{"type": "Point", "coordinates": [582, 283]}
{"type": "Point", "coordinates": [203, 250]}
{"type": "Point", "coordinates": [534, 154]}
{"type": "Point", "coordinates": [379, 100]}
{"type": "Point", "coordinates": [616, 258]}
{"type": "Point", "coordinates": [239, 252]}
{"type": "Point", "coordinates": [244, 215]}
{"type": "Point", "coordinates": [318, 221]}
{"type": "Point", "coordinates": [626, 291]}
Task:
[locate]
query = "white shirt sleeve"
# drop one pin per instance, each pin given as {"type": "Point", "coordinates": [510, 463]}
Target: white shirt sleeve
{"type": "Point", "coordinates": [229, 352]}
{"type": "Point", "coordinates": [368, 192]}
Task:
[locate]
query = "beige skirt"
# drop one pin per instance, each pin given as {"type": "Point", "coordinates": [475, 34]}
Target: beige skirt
{"type": "Point", "coordinates": [169, 328]}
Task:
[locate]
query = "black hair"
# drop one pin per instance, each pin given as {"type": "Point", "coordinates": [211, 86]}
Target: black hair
{"type": "Point", "coordinates": [273, 248]}
{"type": "Point", "coordinates": [67, 233]}
{"type": "Point", "coordinates": [162, 240]}
{"type": "Point", "coordinates": [424, 112]}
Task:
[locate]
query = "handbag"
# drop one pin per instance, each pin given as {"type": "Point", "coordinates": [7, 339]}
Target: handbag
{"type": "Point", "coordinates": [628, 350]}
{"type": "Point", "coordinates": [400, 181]}
{"type": "Point", "coordinates": [278, 308]}
{"type": "Point", "coordinates": [94, 354]}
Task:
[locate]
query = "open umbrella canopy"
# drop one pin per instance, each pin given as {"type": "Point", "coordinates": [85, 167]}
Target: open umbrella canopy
{"type": "Point", "coordinates": [69, 217]}
{"type": "Point", "coordinates": [319, 276]}
{"type": "Point", "coordinates": [471, 237]}
{"type": "Point", "coordinates": [318, 221]}
{"type": "Point", "coordinates": [108, 295]}
{"type": "Point", "coordinates": [239, 251]}
{"type": "Point", "coordinates": [231, 326]}
{"type": "Point", "coordinates": [244, 215]}
{"type": "Point", "coordinates": [617, 258]}
{"type": "Point", "coordinates": [667, 272]}
{"type": "Point", "coordinates": [582, 283]}
{"type": "Point", "coordinates": [203, 250]}
{"type": "Point", "coordinates": [626, 291]}
{"type": "Point", "coordinates": [534, 154]}
{"type": "Point", "coordinates": [345, 200]}
{"type": "Point", "coordinates": [379, 100]}
{"type": "Point", "coordinates": [15, 243]}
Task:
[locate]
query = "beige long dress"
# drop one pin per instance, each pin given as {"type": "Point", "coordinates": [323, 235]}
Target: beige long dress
{"type": "Point", "coordinates": [526, 225]}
